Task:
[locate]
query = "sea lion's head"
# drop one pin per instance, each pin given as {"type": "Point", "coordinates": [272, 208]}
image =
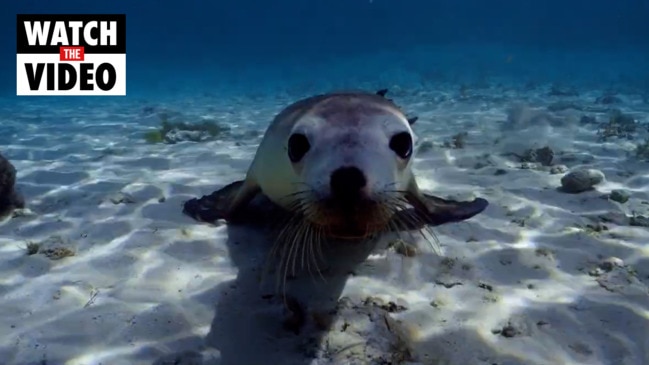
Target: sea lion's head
{"type": "Point", "coordinates": [352, 155]}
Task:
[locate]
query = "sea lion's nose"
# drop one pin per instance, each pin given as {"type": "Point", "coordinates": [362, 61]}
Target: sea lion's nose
{"type": "Point", "coordinates": [347, 182]}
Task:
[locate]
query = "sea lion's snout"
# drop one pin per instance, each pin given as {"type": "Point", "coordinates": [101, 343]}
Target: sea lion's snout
{"type": "Point", "coordinates": [349, 210]}
{"type": "Point", "coordinates": [347, 184]}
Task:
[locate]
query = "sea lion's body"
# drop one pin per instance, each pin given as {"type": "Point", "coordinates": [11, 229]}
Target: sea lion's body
{"type": "Point", "coordinates": [338, 164]}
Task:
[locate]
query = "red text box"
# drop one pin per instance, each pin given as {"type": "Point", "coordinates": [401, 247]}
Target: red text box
{"type": "Point", "coordinates": [71, 54]}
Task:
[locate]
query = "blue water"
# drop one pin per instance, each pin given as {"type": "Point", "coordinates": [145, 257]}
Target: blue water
{"type": "Point", "coordinates": [240, 61]}
{"type": "Point", "coordinates": [253, 47]}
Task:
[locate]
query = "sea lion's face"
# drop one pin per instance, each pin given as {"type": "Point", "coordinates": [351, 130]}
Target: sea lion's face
{"type": "Point", "coordinates": [354, 162]}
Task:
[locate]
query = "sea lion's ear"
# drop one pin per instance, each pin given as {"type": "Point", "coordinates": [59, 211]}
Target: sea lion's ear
{"type": "Point", "coordinates": [382, 92]}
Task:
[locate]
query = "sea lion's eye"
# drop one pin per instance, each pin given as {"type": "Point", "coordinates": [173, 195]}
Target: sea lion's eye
{"type": "Point", "coordinates": [298, 146]}
{"type": "Point", "coordinates": [401, 144]}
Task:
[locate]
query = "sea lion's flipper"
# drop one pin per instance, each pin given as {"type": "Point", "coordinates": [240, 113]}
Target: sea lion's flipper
{"type": "Point", "coordinates": [433, 210]}
{"type": "Point", "coordinates": [441, 211]}
{"type": "Point", "coordinates": [229, 203]}
{"type": "Point", "coordinates": [412, 120]}
{"type": "Point", "coordinates": [212, 207]}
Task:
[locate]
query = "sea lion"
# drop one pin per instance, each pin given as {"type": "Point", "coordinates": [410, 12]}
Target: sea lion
{"type": "Point", "coordinates": [334, 166]}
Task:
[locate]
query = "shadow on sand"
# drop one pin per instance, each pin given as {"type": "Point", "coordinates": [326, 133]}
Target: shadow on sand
{"type": "Point", "coordinates": [255, 324]}
{"type": "Point", "coordinates": [260, 319]}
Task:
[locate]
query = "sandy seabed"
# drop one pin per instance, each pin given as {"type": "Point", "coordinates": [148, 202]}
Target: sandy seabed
{"type": "Point", "coordinates": [541, 277]}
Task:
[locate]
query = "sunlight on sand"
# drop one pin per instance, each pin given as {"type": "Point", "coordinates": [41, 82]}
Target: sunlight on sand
{"type": "Point", "coordinates": [526, 282]}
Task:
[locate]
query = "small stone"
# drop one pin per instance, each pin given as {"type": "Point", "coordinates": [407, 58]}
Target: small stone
{"type": "Point", "coordinates": [619, 195]}
{"type": "Point", "coordinates": [610, 263]}
{"type": "Point", "coordinates": [558, 169]}
{"type": "Point", "coordinates": [405, 249]}
{"type": "Point", "coordinates": [581, 348]}
{"type": "Point", "coordinates": [639, 221]}
{"type": "Point", "coordinates": [619, 125]}
{"type": "Point", "coordinates": [578, 158]}
{"type": "Point", "coordinates": [22, 213]}
{"type": "Point", "coordinates": [598, 227]}
{"type": "Point", "coordinates": [618, 218]}
{"type": "Point", "coordinates": [596, 272]}
{"type": "Point", "coordinates": [543, 156]}
{"type": "Point", "coordinates": [509, 331]}
{"type": "Point", "coordinates": [581, 180]}
{"type": "Point", "coordinates": [459, 140]}
{"type": "Point", "coordinates": [485, 286]}
{"type": "Point", "coordinates": [57, 253]}
{"type": "Point", "coordinates": [120, 198]}
{"type": "Point", "coordinates": [32, 248]}
{"type": "Point", "coordinates": [608, 99]}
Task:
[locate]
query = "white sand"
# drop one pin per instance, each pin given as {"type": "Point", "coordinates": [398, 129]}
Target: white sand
{"type": "Point", "coordinates": [148, 285]}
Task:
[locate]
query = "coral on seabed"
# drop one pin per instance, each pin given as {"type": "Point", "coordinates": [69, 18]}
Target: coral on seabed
{"type": "Point", "coordinates": [172, 132]}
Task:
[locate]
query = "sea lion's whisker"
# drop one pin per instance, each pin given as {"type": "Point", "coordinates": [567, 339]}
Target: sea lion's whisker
{"type": "Point", "coordinates": [318, 250]}
{"type": "Point", "coordinates": [394, 227]}
{"type": "Point", "coordinates": [299, 228]}
{"type": "Point", "coordinates": [281, 246]}
{"type": "Point", "coordinates": [298, 193]}
{"type": "Point", "coordinates": [277, 243]}
{"type": "Point", "coordinates": [299, 236]}
{"type": "Point", "coordinates": [411, 218]}
{"type": "Point", "coordinates": [313, 240]}
{"type": "Point", "coordinates": [305, 248]}
{"type": "Point", "coordinates": [286, 259]}
{"type": "Point", "coordinates": [308, 249]}
{"type": "Point", "coordinates": [435, 244]}
{"type": "Point", "coordinates": [318, 247]}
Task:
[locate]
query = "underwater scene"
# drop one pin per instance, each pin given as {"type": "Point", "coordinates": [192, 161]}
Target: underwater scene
{"type": "Point", "coordinates": [310, 182]}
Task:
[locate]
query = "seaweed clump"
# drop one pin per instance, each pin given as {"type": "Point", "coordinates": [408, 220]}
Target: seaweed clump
{"type": "Point", "coordinates": [619, 125]}
{"type": "Point", "coordinates": [172, 132]}
{"type": "Point", "coordinates": [642, 150]}
{"type": "Point", "coordinates": [154, 136]}
{"type": "Point", "coordinates": [544, 156]}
